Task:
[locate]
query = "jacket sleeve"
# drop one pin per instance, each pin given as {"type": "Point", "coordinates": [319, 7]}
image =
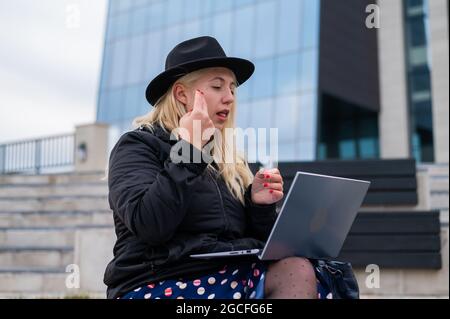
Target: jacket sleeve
{"type": "Point", "coordinates": [260, 218]}
{"type": "Point", "coordinates": [150, 197]}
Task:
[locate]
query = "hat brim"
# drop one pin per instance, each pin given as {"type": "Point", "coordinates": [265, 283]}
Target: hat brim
{"type": "Point", "coordinates": [241, 68]}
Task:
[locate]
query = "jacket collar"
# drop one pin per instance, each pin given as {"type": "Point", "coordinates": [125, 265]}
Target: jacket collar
{"type": "Point", "coordinates": [160, 132]}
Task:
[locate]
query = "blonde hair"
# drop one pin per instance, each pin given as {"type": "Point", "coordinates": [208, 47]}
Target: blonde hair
{"type": "Point", "coordinates": [167, 113]}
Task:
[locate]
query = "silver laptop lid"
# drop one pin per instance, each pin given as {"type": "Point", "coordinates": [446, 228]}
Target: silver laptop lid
{"type": "Point", "coordinates": [316, 217]}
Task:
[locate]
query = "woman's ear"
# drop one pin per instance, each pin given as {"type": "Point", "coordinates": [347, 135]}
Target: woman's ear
{"type": "Point", "coordinates": [179, 92]}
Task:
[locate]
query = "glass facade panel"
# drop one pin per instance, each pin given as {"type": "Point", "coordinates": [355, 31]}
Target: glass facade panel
{"type": "Point", "coordinates": [222, 27]}
{"type": "Point", "coordinates": [419, 80]}
{"type": "Point", "coordinates": [124, 5]}
{"type": "Point", "coordinates": [155, 14]}
{"type": "Point", "coordinates": [261, 114]}
{"type": "Point", "coordinates": [120, 60]}
{"type": "Point", "coordinates": [287, 74]}
{"type": "Point", "coordinates": [132, 101]}
{"type": "Point", "coordinates": [287, 152]}
{"type": "Point", "coordinates": [307, 150]}
{"type": "Point", "coordinates": [243, 93]}
{"type": "Point", "coordinates": [135, 70]}
{"type": "Point", "coordinates": [191, 29]}
{"type": "Point", "coordinates": [242, 114]}
{"type": "Point", "coordinates": [289, 29]}
{"type": "Point", "coordinates": [139, 21]}
{"type": "Point", "coordinates": [172, 37]}
{"type": "Point", "coordinates": [221, 6]}
{"type": "Point", "coordinates": [192, 9]}
{"type": "Point", "coordinates": [242, 3]}
{"type": "Point", "coordinates": [310, 24]}
{"type": "Point", "coordinates": [307, 117]}
{"type": "Point", "coordinates": [107, 65]}
{"type": "Point", "coordinates": [263, 81]}
{"type": "Point", "coordinates": [243, 32]}
{"type": "Point", "coordinates": [287, 118]}
{"type": "Point", "coordinates": [114, 106]}
{"type": "Point", "coordinates": [175, 9]}
{"type": "Point", "coordinates": [308, 70]}
{"type": "Point", "coordinates": [154, 60]}
{"type": "Point", "coordinates": [265, 30]}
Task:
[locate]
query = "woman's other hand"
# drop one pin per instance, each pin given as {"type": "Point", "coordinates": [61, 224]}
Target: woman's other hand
{"type": "Point", "coordinates": [267, 187]}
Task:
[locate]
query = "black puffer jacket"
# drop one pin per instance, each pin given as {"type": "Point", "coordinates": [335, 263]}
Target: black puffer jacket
{"type": "Point", "coordinates": [166, 211]}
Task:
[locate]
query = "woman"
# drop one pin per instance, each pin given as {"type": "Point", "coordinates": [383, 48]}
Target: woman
{"type": "Point", "coordinates": [166, 209]}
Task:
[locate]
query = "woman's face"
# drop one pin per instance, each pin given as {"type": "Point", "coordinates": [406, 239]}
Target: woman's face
{"type": "Point", "coordinates": [218, 86]}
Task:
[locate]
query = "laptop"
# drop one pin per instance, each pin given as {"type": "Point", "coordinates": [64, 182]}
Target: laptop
{"type": "Point", "coordinates": [314, 220]}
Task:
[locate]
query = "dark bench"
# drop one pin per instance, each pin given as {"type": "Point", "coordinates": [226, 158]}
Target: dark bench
{"type": "Point", "coordinates": [393, 182]}
{"type": "Point", "coordinates": [400, 239]}
{"type": "Point", "coordinates": [394, 240]}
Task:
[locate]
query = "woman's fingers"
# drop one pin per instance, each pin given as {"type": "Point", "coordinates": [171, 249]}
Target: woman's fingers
{"type": "Point", "coordinates": [271, 177]}
{"type": "Point", "coordinates": [277, 195]}
{"type": "Point", "coordinates": [273, 186]}
{"type": "Point", "coordinates": [197, 101]}
{"type": "Point", "coordinates": [200, 102]}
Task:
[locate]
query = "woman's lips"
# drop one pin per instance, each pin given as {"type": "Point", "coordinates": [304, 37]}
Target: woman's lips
{"type": "Point", "coordinates": [222, 115]}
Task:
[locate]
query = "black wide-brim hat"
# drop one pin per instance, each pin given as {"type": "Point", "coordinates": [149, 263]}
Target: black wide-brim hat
{"type": "Point", "coordinates": [192, 55]}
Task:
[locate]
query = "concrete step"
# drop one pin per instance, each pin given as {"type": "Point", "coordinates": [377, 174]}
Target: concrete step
{"type": "Point", "coordinates": [42, 190]}
{"type": "Point", "coordinates": [53, 178]}
{"type": "Point", "coordinates": [92, 202]}
{"type": "Point", "coordinates": [439, 201]}
{"type": "Point", "coordinates": [41, 236]}
{"type": "Point", "coordinates": [439, 184]}
{"type": "Point", "coordinates": [434, 169]}
{"type": "Point", "coordinates": [444, 218]}
{"type": "Point", "coordinates": [37, 281]}
{"type": "Point", "coordinates": [55, 218]}
{"type": "Point", "coordinates": [49, 257]}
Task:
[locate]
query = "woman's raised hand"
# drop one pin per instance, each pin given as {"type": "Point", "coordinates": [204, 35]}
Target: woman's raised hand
{"type": "Point", "coordinates": [267, 187]}
{"type": "Point", "coordinates": [195, 126]}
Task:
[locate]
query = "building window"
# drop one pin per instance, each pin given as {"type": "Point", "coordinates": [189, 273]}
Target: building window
{"type": "Point", "coordinates": [347, 131]}
{"type": "Point", "coordinates": [419, 80]}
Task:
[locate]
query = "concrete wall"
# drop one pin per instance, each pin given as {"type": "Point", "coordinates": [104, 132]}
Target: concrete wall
{"type": "Point", "coordinates": [93, 252]}
{"type": "Point", "coordinates": [95, 138]}
{"type": "Point", "coordinates": [393, 118]}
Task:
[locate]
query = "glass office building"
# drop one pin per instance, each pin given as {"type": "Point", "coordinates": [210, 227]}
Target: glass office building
{"type": "Point", "coordinates": [279, 37]}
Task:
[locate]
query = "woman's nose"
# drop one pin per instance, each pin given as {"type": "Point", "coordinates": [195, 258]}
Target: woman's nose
{"type": "Point", "coordinates": [229, 97]}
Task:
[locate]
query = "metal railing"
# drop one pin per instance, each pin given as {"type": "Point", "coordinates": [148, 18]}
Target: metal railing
{"type": "Point", "coordinates": [38, 155]}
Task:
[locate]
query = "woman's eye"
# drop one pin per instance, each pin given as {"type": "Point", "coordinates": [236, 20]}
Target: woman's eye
{"type": "Point", "coordinates": [219, 87]}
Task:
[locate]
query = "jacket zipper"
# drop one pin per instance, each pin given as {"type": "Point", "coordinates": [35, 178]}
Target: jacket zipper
{"type": "Point", "coordinates": [221, 203]}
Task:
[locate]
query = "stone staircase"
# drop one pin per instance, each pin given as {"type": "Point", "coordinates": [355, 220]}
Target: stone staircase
{"type": "Point", "coordinates": [40, 216]}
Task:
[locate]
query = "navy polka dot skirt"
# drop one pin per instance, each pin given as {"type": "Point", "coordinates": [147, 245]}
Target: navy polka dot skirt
{"type": "Point", "coordinates": [244, 281]}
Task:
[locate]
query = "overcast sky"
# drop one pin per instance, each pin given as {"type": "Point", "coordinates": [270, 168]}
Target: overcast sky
{"type": "Point", "coordinates": [50, 60]}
